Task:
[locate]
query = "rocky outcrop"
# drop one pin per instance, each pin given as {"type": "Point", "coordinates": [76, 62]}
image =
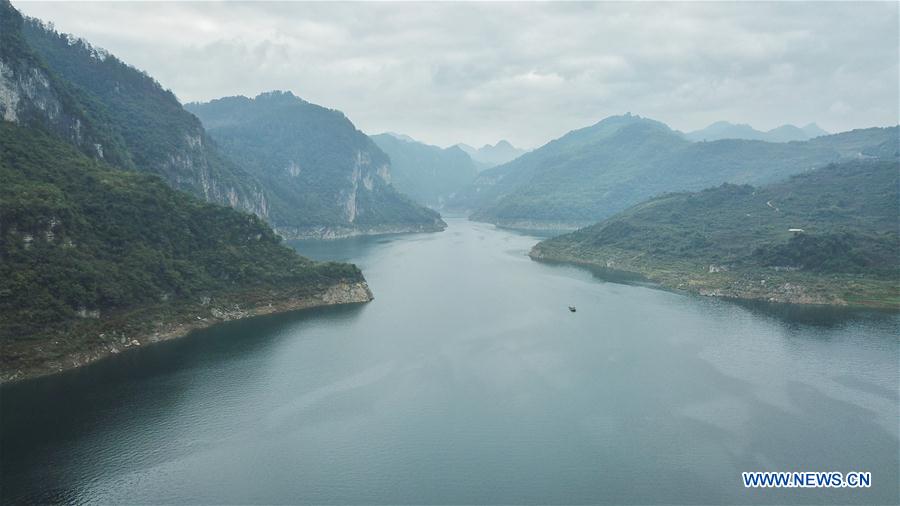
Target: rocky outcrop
{"type": "Point", "coordinates": [159, 325]}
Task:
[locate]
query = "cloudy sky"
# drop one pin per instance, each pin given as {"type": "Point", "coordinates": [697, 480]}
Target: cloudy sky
{"type": "Point", "coordinates": [528, 72]}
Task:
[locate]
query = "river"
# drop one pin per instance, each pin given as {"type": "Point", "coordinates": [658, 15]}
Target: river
{"type": "Point", "coordinates": [467, 380]}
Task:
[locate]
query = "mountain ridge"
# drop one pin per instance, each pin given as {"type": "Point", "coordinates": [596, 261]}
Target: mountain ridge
{"type": "Point", "coordinates": [429, 174]}
{"type": "Point", "coordinates": [488, 156]}
{"type": "Point", "coordinates": [784, 133]}
{"type": "Point", "coordinates": [324, 177]}
{"type": "Point", "coordinates": [593, 172]}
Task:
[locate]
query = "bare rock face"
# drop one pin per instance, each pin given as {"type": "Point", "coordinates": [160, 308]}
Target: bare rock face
{"type": "Point", "coordinates": [114, 112]}
{"type": "Point", "coordinates": [323, 177]}
{"type": "Point", "coordinates": [347, 293]}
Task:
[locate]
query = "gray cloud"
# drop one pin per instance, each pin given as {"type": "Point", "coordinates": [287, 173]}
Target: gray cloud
{"type": "Point", "coordinates": [528, 72]}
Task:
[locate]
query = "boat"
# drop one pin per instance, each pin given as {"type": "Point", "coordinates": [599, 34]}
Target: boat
{"type": "Point", "coordinates": [572, 308]}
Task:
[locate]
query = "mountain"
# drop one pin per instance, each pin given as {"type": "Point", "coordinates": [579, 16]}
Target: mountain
{"type": "Point", "coordinates": [97, 251]}
{"type": "Point", "coordinates": [401, 137]}
{"type": "Point", "coordinates": [488, 156]}
{"type": "Point", "coordinates": [813, 130]}
{"type": "Point", "coordinates": [114, 112]}
{"type": "Point", "coordinates": [592, 173]}
{"type": "Point", "coordinates": [825, 236]}
{"type": "Point", "coordinates": [96, 259]}
{"type": "Point", "coordinates": [428, 174]}
{"type": "Point", "coordinates": [322, 176]}
{"type": "Point", "coordinates": [725, 130]}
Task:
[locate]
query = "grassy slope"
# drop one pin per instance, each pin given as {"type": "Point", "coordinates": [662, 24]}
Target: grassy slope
{"type": "Point", "coordinates": [849, 251]}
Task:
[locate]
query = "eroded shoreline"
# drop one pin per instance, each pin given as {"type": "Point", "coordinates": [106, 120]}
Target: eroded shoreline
{"type": "Point", "coordinates": [25, 360]}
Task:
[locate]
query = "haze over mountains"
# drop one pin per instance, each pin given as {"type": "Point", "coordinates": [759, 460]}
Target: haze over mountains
{"type": "Point", "coordinates": [488, 156]}
{"type": "Point", "coordinates": [785, 133]}
{"type": "Point", "coordinates": [428, 174]}
{"type": "Point", "coordinates": [591, 173]}
{"type": "Point", "coordinates": [324, 178]}
{"type": "Point", "coordinates": [140, 206]}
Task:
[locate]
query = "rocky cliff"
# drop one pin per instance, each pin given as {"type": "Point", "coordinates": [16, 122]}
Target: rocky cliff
{"type": "Point", "coordinates": [112, 111]}
{"type": "Point", "coordinates": [324, 177]}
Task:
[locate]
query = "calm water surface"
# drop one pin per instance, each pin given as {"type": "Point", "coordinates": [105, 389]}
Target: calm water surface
{"type": "Point", "coordinates": [468, 381]}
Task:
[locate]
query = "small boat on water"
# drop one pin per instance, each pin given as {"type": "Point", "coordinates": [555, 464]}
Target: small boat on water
{"type": "Point", "coordinates": [572, 308]}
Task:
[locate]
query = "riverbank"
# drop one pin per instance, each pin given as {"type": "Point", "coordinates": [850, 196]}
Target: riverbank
{"type": "Point", "coordinates": [764, 284]}
{"type": "Point", "coordinates": [328, 232]}
{"type": "Point", "coordinates": [93, 338]}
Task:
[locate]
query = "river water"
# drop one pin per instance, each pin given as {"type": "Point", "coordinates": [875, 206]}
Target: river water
{"type": "Point", "coordinates": [467, 380]}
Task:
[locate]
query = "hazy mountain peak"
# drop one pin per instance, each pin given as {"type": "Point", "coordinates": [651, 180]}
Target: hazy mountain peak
{"type": "Point", "coordinates": [784, 133]}
{"type": "Point", "coordinates": [402, 137]}
{"type": "Point", "coordinates": [814, 130]}
{"type": "Point", "coordinates": [491, 155]}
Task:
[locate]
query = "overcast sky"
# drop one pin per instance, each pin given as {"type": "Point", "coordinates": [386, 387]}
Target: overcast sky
{"type": "Point", "coordinates": [527, 72]}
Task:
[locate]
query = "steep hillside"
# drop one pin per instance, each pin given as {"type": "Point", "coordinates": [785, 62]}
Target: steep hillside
{"type": "Point", "coordinates": [324, 178]}
{"type": "Point", "coordinates": [97, 259]}
{"type": "Point", "coordinates": [592, 173]}
{"type": "Point", "coordinates": [737, 241]}
{"type": "Point", "coordinates": [428, 174]}
{"type": "Point", "coordinates": [112, 111]}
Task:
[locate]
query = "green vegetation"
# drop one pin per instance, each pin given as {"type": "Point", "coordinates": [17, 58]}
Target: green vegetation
{"type": "Point", "coordinates": [592, 173]}
{"type": "Point", "coordinates": [317, 168]}
{"type": "Point", "coordinates": [736, 240]}
{"type": "Point", "coordinates": [117, 113]}
{"type": "Point", "coordinates": [77, 236]}
{"type": "Point", "coordinates": [426, 173]}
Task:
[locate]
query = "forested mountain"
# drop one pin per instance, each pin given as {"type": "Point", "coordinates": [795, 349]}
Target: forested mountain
{"type": "Point", "coordinates": [323, 177]}
{"type": "Point", "coordinates": [592, 173]}
{"type": "Point", "coordinates": [488, 156]}
{"type": "Point", "coordinates": [825, 236]}
{"type": "Point", "coordinates": [97, 251]}
{"type": "Point", "coordinates": [784, 133]}
{"type": "Point", "coordinates": [94, 259]}
{"type": "Point", "coordinates": [112, 111]}
{"type": "Point", "coordinates": [428, 174]}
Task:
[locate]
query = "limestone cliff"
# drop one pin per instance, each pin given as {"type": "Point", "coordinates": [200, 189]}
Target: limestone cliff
{"type": "Point", "coordinates": [324, 177]}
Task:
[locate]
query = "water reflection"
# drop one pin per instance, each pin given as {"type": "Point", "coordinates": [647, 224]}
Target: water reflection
{"type": "Point", "coordinates": [467, 380]}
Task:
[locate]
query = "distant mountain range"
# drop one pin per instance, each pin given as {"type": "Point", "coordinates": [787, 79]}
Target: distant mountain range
{"type": "Point", "coordinates": [323, 177]}
{"type": "Point", "coordinates": [428, 174]}
{"type": "Point", "coordinates": [591, 173]}
{"type": "Point", "coordinates": [488, 156]}
{"type": "Point", "coordinates": [827, 236]}
{"type": "Point", "coordinates": [785, 133]}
